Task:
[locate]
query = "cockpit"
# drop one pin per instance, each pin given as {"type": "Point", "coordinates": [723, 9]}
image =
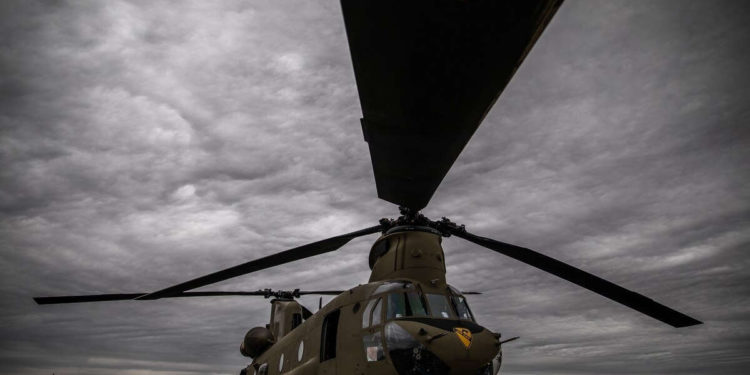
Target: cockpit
{"type": "Point", "coordinates": [393, 303]}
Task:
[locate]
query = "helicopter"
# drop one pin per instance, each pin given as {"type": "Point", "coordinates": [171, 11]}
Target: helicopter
{"type": "Point", "coordinates": [427, 74]}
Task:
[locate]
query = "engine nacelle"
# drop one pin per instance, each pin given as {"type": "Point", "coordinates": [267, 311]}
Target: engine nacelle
{"type": "Point", "coordinates": [257, 340]}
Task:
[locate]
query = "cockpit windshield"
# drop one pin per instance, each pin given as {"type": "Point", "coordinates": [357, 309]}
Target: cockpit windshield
{"type": "Point", "coordinates": [401, 304]}
{"type": "Point", "coordinates": [439, 306]}
{"type": "Point", "coordinates": [404, 299]}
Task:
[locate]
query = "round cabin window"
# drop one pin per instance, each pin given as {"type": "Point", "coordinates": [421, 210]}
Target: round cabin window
{"type": "Point", "coordinates": [300, 351]}
{"type": "Point", "coordinates": [281, 363]}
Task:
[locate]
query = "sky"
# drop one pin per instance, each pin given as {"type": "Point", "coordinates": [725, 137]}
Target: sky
{"type": "Point", "coordinates": [144, 143]}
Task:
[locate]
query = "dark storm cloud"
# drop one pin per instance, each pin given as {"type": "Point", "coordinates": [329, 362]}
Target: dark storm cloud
{"type": "Point", "coordinates": [145, 143]}
{"type": "Point", "coordinates": [631, 163]}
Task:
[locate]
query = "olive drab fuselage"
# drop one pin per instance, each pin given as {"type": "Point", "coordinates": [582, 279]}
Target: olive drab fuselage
{"type": "Point", "coordinates": [406, 318]}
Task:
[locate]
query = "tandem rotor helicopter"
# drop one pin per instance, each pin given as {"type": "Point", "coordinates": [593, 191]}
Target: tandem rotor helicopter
{"type": "Point", "coordinates": [427, 73]}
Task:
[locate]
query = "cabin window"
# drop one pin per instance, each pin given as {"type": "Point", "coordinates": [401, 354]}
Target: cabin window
{"type": "Point", "coordinates": [439, 306]}
{"type": "Point", "coordinates": [373, 347]}
{"type": "Point", "coordinates": [263, 369]}
{"type": "Point", "coordinates": [328, 336]}
{"type": "Point", "coordinates": [300, 351]}
{"type": "Point", "coordinates": [281, 362]}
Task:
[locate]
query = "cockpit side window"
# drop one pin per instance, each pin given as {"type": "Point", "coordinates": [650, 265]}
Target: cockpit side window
{"type": "Point", "coordinates": [372, 338]}
{"type": "Point", "coordinates": [367, 312]}
{"type": "Point", "coordinates": [371, 316]}
{"type": "Point", "coordinates": [460, 304]}
{"type": "Point", "coordinates": [376, 312]}
{"type": "Point", "coordinates": [462, 308]}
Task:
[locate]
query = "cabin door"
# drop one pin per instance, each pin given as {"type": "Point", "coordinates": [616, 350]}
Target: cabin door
{"type": "Point", "coordinates": [328, 340]}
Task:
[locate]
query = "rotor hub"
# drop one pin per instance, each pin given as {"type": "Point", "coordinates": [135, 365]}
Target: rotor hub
{"type": "Point", "coordinates": [411, 220]}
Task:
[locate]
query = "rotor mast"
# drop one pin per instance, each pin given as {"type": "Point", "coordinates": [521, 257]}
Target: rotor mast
{"type": "Point", "coordinates": [409, 248]}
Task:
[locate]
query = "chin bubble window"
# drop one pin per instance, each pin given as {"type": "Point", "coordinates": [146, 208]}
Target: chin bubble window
{"type": "Point", "coordinates": [374, 347]}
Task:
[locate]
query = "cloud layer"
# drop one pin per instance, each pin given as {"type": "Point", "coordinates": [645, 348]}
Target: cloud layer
{"type": "Point", "coordinates": [145, 143]}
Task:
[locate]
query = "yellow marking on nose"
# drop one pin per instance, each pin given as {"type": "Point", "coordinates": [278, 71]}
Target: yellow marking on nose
{"type": "Point", "coordinates": [464, 335]}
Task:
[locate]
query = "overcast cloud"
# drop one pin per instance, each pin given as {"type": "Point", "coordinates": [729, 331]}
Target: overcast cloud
{"type": "Point", "coordinates": [143, 143]}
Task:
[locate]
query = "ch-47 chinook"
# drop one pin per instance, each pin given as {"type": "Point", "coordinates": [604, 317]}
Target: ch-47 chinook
{"type": "Point", "coordinates": [427, 74]}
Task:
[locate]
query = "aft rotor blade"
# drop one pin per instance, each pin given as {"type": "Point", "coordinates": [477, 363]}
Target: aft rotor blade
{"type": "Point", "coordinates": [322, 292]}
{"type": "Point", "coordinates": [582, 278]}
{"type": "Point", "coordinates": [87, 298]}
{"type": "Point", "coordinates": [427, 73]}
{"type": "Point", "coordinates": [132, 296]}
{"type": "Point", "coordinates": [301, 252]}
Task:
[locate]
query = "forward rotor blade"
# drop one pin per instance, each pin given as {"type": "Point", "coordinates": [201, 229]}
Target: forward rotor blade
{"type": "Point", "coordinates": [301, 252]}
{"type": "Point", "coordinates": [427, 73]}
{"type": "Point", "coordinates": [133, 296]}
{"type": "Point", "coordinates": [582, 278]}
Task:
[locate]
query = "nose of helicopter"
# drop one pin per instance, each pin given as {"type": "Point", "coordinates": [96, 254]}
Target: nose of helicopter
{"type": "Point", "coordinates": [440, 347]}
